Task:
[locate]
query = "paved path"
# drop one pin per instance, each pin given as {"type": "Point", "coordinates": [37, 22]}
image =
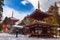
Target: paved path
{"type": "Point", "coordinates": [5, 36]}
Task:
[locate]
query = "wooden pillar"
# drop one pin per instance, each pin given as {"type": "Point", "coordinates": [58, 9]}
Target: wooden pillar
{"type": "Point", "coordinates": [44, 30]}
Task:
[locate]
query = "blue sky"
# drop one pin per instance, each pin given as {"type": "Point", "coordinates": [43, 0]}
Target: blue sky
{"type": "Point", "coordinates": [21, 8]}
{"type": "Point", "coordinates": [17, 5]}
{"type": "Point", "coordinates": [27, 5]}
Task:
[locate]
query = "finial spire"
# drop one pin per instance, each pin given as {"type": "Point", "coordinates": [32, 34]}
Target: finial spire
{"type": "Point", "coordinates": [12, 14]}
{"type": "Point", "coordinates": [38, 4]}
{"type": "Point", "coordinates": [55, 4]}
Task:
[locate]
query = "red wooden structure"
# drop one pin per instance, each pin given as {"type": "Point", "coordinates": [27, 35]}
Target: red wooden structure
{"type": "Point", "coordinates": [5, 27]}
{"type": "Point", "coordinates": [39, 15]}
{"type": "Point", "coordinates": [39, 28]}
{"type": "Point", "coordinates": [14, 20]}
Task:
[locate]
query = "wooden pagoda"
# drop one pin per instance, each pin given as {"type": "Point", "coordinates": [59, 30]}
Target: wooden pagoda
{"type": "Point", "coordinates": [39, 28]}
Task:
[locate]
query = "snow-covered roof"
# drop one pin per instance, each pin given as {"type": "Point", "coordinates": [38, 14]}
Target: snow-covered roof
{"type": "Point", "coordinates": [13, 18]}
{"type": "Point", "coordinates": [18, 22]}
{"type": "Point", "coordinates": [39, 15]}
{"type": "Point", "coordinates": [18, 26]}
{"type": "Point", "coordinates": [42, 24]}
{"type": "Point", "coordinates": [35, 21]}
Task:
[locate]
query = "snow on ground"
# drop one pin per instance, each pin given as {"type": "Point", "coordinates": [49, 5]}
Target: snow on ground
{"type": "Point", "coordinates": [6, 36]}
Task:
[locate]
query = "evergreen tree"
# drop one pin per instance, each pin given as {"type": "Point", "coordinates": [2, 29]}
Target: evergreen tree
{"type": "Point", "coordinates": [55, 18]}
{"type": "Point", "coordinates": [1, 10]}
{"type": "Point", "coordinates": [7, 20]}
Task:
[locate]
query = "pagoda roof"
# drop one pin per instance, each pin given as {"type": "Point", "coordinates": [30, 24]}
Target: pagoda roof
{"type": "Point", "coordinates": [41, 24]}
{"type": "Point", "coordinates": [39, 15]}
{"type": "Point", "coordinates": [14, 19]}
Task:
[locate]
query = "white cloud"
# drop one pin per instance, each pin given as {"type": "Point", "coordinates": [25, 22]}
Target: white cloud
{"type": "Point", "coordinates": [8, 12]}
{"type": "Point", "coordinates": [44, 4]}
{"type": "Point", "coordinates": [34, 3]}
{"type": "Point", "coordinates": [24, 2]}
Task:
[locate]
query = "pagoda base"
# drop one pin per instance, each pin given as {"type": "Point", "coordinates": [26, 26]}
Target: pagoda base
{"type": "Point", "coordinates": [41, 35]}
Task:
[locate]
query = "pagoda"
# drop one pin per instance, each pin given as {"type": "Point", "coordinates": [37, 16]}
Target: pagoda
{"type": "Point", "coordinates": [39, 28]}
{"type": "Point", "coordinates": [13, 20]}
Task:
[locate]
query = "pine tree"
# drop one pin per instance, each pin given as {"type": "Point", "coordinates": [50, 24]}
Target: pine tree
{"type": "Point", "coordinates": [6, 21]}
{"type": "Point", "coordinates": [53, 10]}
{"type": "Point", "coordinates": [55, 18]}
{"type": "Point", "coordinates": [1, 10]}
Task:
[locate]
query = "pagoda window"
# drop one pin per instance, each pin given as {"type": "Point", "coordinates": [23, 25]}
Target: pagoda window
{"type": "Point", "coordinates": [38, 30]}
{"type": "Point", "coordinates": [48, 30]}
